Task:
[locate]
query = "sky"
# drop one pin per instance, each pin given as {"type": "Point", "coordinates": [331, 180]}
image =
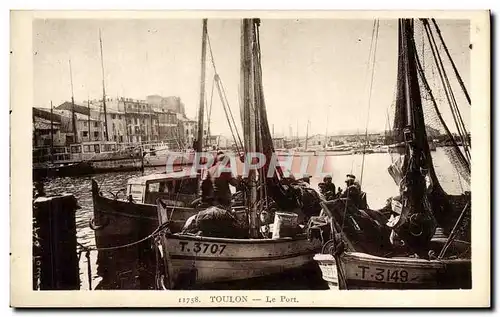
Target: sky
{"type": "Point", "coordinates": [316, 70]}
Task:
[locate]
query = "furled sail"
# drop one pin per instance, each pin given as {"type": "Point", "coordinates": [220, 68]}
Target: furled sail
{"type": "Point", "coordinates": [425, 203]}
{"type": "Point", "coordinates": [254, 117]}
{"type": "Point", "coordinates": [415, 224]}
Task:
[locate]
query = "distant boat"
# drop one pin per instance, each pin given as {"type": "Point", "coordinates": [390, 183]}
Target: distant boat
{"type": "Point", "coordinates": [87, 158]}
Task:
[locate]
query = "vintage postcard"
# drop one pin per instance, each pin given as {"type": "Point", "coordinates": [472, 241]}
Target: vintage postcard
{"type": "Point", "coordinates": [250, 159]}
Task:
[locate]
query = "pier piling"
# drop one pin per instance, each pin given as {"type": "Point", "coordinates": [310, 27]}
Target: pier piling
{"type": "Point", "coordinates": [56, 260]}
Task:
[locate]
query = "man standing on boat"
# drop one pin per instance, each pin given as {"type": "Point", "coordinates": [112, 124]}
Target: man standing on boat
{"type": "Point", "coordinates": [221, 179]}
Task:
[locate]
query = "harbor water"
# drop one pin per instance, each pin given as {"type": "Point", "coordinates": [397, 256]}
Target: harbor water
{"type": "Point", "coordinates": [374, 178]}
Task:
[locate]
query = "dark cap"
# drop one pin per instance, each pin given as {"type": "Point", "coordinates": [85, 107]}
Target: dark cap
{"type": "Point", "coordinates": [351, 176]}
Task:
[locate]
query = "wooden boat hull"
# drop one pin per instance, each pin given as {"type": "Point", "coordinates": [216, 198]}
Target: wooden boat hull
{"type": "Point", "coordinates": [116, 219]}
{"type": "Point", "coordinates": [61, 170]}
{"type": "Point", "coordinates": [116, 165]}
{"type": "Point", "coordinates": [364, 271]}
{"type": "Point", "coordinates": [328, 267]}
{"type": "Point", "coordinates": [83, 168]}
{"type": "Point", "coordinates": [198, 260]}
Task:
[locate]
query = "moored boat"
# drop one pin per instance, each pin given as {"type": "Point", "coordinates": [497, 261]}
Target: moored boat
{"type": "Point", "coordinates": [193, 260]}
{"type": "Point", "coordinates": [201, 260]}
{"type": "Point", "coordinates": [360, 270]}
{"type": "Point", "coordinates": [399, 246]}
{"type": "Point", "coordinates": [134, 216]}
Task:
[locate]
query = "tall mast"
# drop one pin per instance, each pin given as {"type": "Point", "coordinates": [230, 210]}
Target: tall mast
{"type": "Point", "coordinates": [126, 120]}
{"type": "Point", "coordinates": [307, 133]}
{"type": "Point", "coordinates": [139, 116]}
{"type": "Point", "coordinates": [73, 123]}
{"type": "Point", "coordinates": [247, 74]}
{"type": "Point", "coordinates": [151, 122]}
{"type": "Point", "coordinates": [88, 106]}
{"type": "Point", "coordinates": [103, 91]}
{"type": "Point", "coordinates": [51, 134]}
{"type": "Point", "coordinates": [326, 132]}
{"type": "Point", "coordinates": [297, 134]}
{"type": "Point", "coordinates": [199, 141]}
{"type": "Point", "coordinates": [158, 126]}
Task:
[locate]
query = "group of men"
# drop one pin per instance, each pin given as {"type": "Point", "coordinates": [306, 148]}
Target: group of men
{"type": "Point", "coordinates": [353, 190]}
{"type": "Point", "coordinates": [215, 186]}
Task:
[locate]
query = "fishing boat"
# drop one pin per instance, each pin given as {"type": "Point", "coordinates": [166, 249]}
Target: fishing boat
{"type": "Point", "coordinates": [133, 216]}
{"type": "Point", "coordinates": [91, 157]}
{"type": "Point", "coordinates": [200, 259]}
{"type": "Point", "coordinates": [398, 247]}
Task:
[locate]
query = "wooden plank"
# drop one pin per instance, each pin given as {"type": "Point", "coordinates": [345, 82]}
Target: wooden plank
{"type": "Point", "coordinates": [162, 219]}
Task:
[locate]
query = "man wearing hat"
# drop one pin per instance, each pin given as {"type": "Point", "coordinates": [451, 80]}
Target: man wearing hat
{"type": "Point", "coordinates": [352, 191]}
{"type": "Point", "coordinates": [305, 180]}
{"type": "Point", "coordinates": [327, 187]}
{"type": "Point", "coordinates": [221, 181]}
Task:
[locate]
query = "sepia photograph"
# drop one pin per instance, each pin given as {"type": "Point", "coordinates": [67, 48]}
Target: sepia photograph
{"type": "Point", "coordinates": [258, 152]}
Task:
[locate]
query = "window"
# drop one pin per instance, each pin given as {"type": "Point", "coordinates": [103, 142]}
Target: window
{"type": "Point", "coordinates": [136, 192]}
{"type": "Point", "coordinates": [113, 116]}
{"type": "Point", "coordinates": [96, 134]}
{"type": "Point", "coordinates": [85, 133]}
{"type": "Point", "coordinates": [76, 149]}
{"type": "Point", "coordinates": [96, 124]}
{"type": "Point", "coordinates": [153, 187]}
{"type": "Point", "coordinates": [86, 148]}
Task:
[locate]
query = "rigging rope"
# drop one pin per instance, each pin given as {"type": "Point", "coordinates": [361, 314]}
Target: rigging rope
{"type": "Point", "coordinates": [233, 133]}
{"type": "Point", "coordinates": [374, 42]}
{"type": "Point", "coordinates": [209, 110]}
{"type": "Point", "coordinates": [448, 85]}
{"type": "Point", "coordinates": [449, 94]}
{"type": "Point", "coordinates": [438, 112]}
{"type": "Point", "coordinates": [224, 100]}
{"type": "Point", "coordinates": [459, 78]}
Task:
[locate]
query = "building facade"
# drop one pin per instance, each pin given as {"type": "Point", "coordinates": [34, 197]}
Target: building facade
{"type": "Point", "coordinates": [156, 119]}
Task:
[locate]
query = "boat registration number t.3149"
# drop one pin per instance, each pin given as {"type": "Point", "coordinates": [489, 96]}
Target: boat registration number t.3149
{"type": "Point", "coordinates": [202, 247]}
{"type": "Point", "coordinates": [383, 274]}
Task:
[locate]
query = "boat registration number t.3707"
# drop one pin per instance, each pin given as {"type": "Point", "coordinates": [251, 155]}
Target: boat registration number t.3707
{"type": "Point", "coordinates": [384, 274]}
{"type": "Point", "coordinates": [202, 247]}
